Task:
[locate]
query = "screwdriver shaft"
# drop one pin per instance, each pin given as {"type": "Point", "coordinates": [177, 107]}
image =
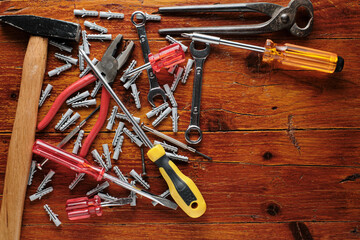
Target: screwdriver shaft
{"type": "Point", "coordinates": [216, 40]}
{"type": "Point", "coordinates": [98, 74]}
{"type": "Point", "coordinates": [173, 141]}
{"type": "Point", "coordinates": [139, 69]}
{"type": "Point", "coordinates": [163, 201]}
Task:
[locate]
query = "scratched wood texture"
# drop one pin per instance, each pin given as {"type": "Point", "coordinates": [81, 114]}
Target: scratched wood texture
{"type": "Point", "coordinates": [281, 141]}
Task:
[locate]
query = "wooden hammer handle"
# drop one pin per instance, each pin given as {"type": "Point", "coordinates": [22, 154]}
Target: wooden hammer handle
{"type": "Point", "coordinates": [22, 139]}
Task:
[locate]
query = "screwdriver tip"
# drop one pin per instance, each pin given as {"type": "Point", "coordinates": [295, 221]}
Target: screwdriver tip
{"type": "Point", "coordinates": [203, 155]}
{"type": "Point", "coordinates": [187, 35]}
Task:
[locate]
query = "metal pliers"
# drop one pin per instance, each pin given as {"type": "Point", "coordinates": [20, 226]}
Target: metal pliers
{"type": "Point", "coordinates": [109, 66]}
{"type": "Point", "coordinates": [280, 18]}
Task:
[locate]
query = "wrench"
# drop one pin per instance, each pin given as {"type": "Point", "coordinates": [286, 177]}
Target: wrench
{"type": "Point", "coordinates": [199, 57]}
{"type": "Point", "coordinates": [155, 89]}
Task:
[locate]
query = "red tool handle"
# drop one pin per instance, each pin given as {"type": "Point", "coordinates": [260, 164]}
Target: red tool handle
{"type": "Point", "coordinates": [69, 160]}
{"type": "Point", "coordinates": [167, 57]}
{"type": "Point", "coordinates": [83, 207]}
{"type": "Point", "coordinates": [104, 107]}
{"type": "Point", "coordinates": [76, 86]}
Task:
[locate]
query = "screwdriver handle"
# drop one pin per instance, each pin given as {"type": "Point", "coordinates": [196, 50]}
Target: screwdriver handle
{"type": "Point", "coordinates": [182, 189]}
{"type": "Point", "coordinates": [69, 160]}
{"type": "Point", "coordinates": [298, 57]}
{"type": "Point", "coordinates": [167, 57]}
{"type": "Point", "coordinates": [83, 207]}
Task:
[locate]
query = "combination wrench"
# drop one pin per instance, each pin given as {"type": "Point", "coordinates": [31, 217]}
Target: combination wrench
{"type": "Point", "coordinates": [199, 57]}
{"type": "Point", "coordinates": [155, 89]}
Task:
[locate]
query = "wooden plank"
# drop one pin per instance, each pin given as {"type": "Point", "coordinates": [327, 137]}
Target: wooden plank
{"type": "Point", "coordinates": [324, 26]}
{"type": "Point", "coordinates": [238, 191]}
{"type": "Point", "coordinates": [314, 148]}
{"type": "Point", "coordinates": [332, 230]}
{"type": "Point", "coordinates": [234, 193]}
{"type": "Point", "coordinates": [250, 98]}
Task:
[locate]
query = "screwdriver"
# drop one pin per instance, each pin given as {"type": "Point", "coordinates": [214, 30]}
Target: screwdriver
{"type": "Point", "coordinates": [83, 207]}
{"type": "Point", "coordinates": [182, 189]}
{"type": "Point", "coordinates": [288, 55]}
{"type": "Point", "coordinates": [81, 165]}
{"type": "Point", "coordinates": [166, 58]}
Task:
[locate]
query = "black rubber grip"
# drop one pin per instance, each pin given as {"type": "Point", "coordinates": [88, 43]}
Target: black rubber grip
{"type": "Point", "coordinates": [339, 64]}
{"type": "Point", "coordinates": [182, 188]}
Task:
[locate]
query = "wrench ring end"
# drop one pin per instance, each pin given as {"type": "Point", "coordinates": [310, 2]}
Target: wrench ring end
{"type": "Point", "coordinates": [141, 24]}
{"type": "Point", "coordinates": [188, 131]}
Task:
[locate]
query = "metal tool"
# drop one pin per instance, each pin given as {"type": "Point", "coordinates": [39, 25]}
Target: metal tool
{"type": "Point", "coordinates": [182, 188]}
{"type": "Point", "coordinates": [199, 57]}
{"type": "Point", "coordinates": [288, 55]}
{"type": "Point", "coordinates": [174, 141]}
{"type": "Point", "coordinates": [23, 132]}
{"type": "Point", "coordinates": [155, 89]}
{"type": "Point", "coordinates": [109, 66]}
{"type": "Point", "coordinates": [280, 18]}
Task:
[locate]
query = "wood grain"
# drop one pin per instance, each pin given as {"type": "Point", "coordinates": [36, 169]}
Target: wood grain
{"type": "Point", "coordinates": [281, 141]}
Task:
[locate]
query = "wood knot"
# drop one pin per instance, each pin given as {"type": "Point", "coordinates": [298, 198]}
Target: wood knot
{"type": "Point", "coordinates": [13, 95]}
{"type": "Point", "coordinates": [267, 156]}
{"type": "Point", "coordinates": [273, 209]}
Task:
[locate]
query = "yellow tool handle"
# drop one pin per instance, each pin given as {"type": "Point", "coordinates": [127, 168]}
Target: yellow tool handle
{"type": "Point", "coordinates": [183, 190]}
{"type": "Point", "coordinates": [298, 57]}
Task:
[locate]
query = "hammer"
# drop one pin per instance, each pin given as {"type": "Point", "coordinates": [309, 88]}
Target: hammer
{"type": "Point", "coordinates": [23, 132]}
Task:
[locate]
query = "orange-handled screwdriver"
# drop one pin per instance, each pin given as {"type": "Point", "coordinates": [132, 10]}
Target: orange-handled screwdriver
{"type": "Point", "coordinates": [287, 55]}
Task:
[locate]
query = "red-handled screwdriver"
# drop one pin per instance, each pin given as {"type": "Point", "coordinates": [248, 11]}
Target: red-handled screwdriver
{"type": "Point", "coordinates": [83, 207]}
{"type": "Point", "coordinates": [81, 165]}
{"type": "Point", "coordinates": [166, 58]}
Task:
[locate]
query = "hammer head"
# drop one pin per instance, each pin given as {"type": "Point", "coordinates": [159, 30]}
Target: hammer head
{"type": "Point", "coordinates": [45, 27]}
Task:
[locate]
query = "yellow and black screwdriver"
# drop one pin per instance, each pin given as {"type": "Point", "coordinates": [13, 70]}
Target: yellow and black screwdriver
{"type": "Point", "coordinates": [182, 189]}
{"type": "Point", "coordinates": [287, 55]}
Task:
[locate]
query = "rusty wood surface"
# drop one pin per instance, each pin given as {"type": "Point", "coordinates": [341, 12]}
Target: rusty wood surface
{"type": "Point", "coordinates": [281, 140]}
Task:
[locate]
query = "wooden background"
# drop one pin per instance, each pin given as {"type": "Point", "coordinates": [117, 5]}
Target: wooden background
{"type": "Point", "coordinates": [281, 141]}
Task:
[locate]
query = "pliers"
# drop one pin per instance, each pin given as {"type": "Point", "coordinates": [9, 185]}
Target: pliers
{"type": "Point", "coordinates": [109, 66]}
{"type": "Point", "coordinates": [280, 18]}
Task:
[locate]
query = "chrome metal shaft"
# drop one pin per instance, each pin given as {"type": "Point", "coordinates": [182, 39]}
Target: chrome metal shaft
{"type": "Point", "coordinates": [98, 74]}
{"type": "Point", "coordinates": [216, 40]}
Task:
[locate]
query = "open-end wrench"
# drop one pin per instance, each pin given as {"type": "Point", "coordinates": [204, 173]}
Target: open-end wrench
{"type": "Point", "coordinates": [199, 57]}
{"type": "Point", "coordinates": [155, 89]}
